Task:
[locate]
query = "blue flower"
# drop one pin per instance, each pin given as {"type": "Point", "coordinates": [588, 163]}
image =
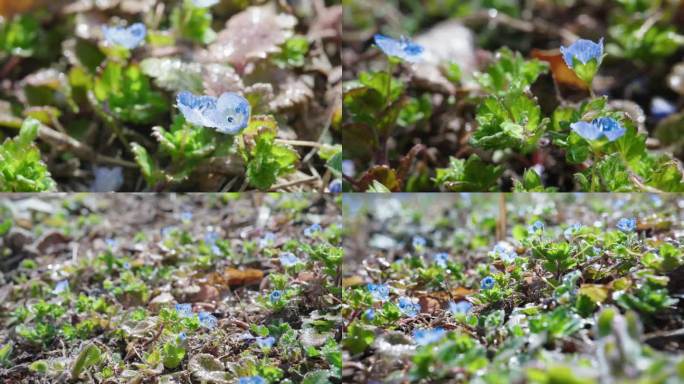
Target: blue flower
{"type": "Point", "coordinates": [348, 168]}
{"type": "Point", "coordinates": [128, 38]}
{"type": "Point", "coordinates": [288, 259]}
{"type": "Point", "coordinates": [403, 48]}
{"type": "Point", "coordinates": [210, 239]}
{"type": "Point", "coordinates": [379, 292]}
{"type": "Point", "coordinates": [487, 283]}
{"type": "Point", "coordinates": [207, 320]}
{"type": "Point", "coordinates": [603, 126]}
{"type": "Point", "coordinates": [61, 287]}
{"type": "Point", "coordinates": [535, 227]}
{"type": "Point", "coordinates": [265, 342]}
{"type": "Point", "coordinates": [313, 229]}
{"type": "Point", "coordinates": [661, 108]}
{"type": "Point", "coordinates": [408, 307]}
{"type": "Point", "coordinates": [251, 380]}
{"type": "Point", "coordinates": [267, 240]}
{"type": "Point", "coordinates": [186, 216]}
{"type": "Point", "coordinates": [441, 259]}
{"type": "Point", "coordinates": [572, 230]}
{"type": "Point", "coordinates": [418, 242]}
{"type": "Point", "coordinates": [369, 314]}
{"type": "Point", "coordinates": [107, 179]}
{"type": "Point", "coordinates": [275, 296]}
{"type": "Point", "coordinates": [205, 3]}
{"type": "Point", "coordinates": [626, 225]}
{"type": "Point", "coordinates": [184, 310]}
{"type": "Point", "coordinates": [335, 186]}
{"type": "Point", "coordinates": [182, 337]}
{"type": "Point", "coordinates": [504, 251]}
{"type": "Point", "coordinates": [462, 307]}
{"type": "Point", "coordinates": [228, 114]}
{"type": "Point", "coordinates": [111, 242]}
{"type": "Point", "coordinates": [428, 336]}
{"type": "Point", "coordinates": [583, 51]}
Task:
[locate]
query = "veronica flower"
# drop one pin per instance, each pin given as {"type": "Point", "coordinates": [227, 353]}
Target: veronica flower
{"type": "Point", "coordinates": [504, 251]}
{"type": "Point", "coordinates": [408, 307]}
{"type": "Point", "coordinates": [265, 342]}
{"type": "Point", "coordinates": [207, 320]}
{"type": "Point", "coordinates": [428, 336]}
{"type": "Point", "coordinates": [403, 48]}
{"type": "Point", "coordinates": [348, 168]}
{"type": "Point", "coordinates": [107, 179]}
{"type": "Point", "coordinates": [369, 314]}
{"type": "Point", "coordinates": [61, 287]}
{"type": "Point", "coordinates": [535, 227]}
{"type": "Point", "coordinates": [111, 242]}
{"type": "Point", "coordinates": [487, 283]}
{"type": "Point", "coordinates": [441, 259]}
{"type": "Point", "coordinates": [311, 230]}
{"type": "Point", "coordinates": [182, 337]}
{"type": "Point", "coordinates": [418, 242]}
{"type": "Point", "coordinates": [127, 37]}
{"type": "Point", "coordinates": [379, 292]}
{"type": "Point", "coordinates": [584, 57]}
{"type": "Point", "coordinates": [228, 114]}
{"type": "Point", "coordinates": [335, 186]}
{"type": "Point", "coordinates": [626, 225]}
{"type": "Point", "coordinates": [661, 108]}
{"type": "Point", "coordinates": [267, 240]}
{"type": "Point", "coordinates": [205, 3]}
{"type": "Point", "coordinates": [572, 230]}
{"type": "Point", "coordinates": [462, 307]}
{"type": "Point", "coordinates": [288, 259]}
{"type": "Point", "coordinates": [210, 239]}
{"type": "Point", "coordinates": [582, 51]}
{"type": "Point", "coordinates": [601, 127]}
{"type": "Point", "coordinates": [186, 216]}
{"type": "Point", "coordinates": [275, 296]}
{"type": "Point", "coordinates": [184, 310]}
{"type": "Point", "coordinates": [251, 380]}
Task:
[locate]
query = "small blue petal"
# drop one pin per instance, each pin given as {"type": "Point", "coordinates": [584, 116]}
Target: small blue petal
{"type": "Point", "coordinates": [182, 336]}
{"type": "Point", "coordinates": [265, 342]}
{"type": "Point", "coordinates": [61, 287]}
{"type": "Point", "coordinates": [462, 307]}
{"type": "Point", "coordinates": [610, 128]}
{"type": "Point", "coordinates": [184, 310]}
{"type": "Point", "coordinates": [252, 380]}
{"type": "Point", "coordinates": [408, 307]}
{"type": "Point", "coordinates": [369, 314]}
{"type": "Point", "coordinates": [402, 48]}
{"type": "Point", "coordinates": [267, 240]}
{"type": "Point", "coordinates": [335, 186]}
{"type": "Point", "coordinates": [418, 242]}
{"type": "Point", "coordinates": [584, 51]}
{"type": "Point", "coordinates": [441, 259]}
{"type": "Point", "coordinates": [627, 224]}
{"type": "Point", "coordinates": [207, 320]}
{"type": "Point", "coordinates": [536, 227]}
{"type": "Point", "coordinates": [228, 114]}
{"type": "Point", "coordinates": [275, 296]}
{"type": "Point", "coordinates": [586, 130]}
{"type": "Point", "coordinates": [379, 292]}
{"type": "Point", "coordinates": [428, 336]}
{"type": "Point", "coordinates": [288, 259]}
{"type": "Point", "coordinates": [128, 38]}
{"type": "Point", "coordinates": [487, 283]}
{"type": "Point", "coordinates": [313, 229]}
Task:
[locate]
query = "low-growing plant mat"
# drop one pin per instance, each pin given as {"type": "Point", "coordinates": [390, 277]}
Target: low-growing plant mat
{"type": "Point", "coordinates": [170, 289]}
{"type": "Point", "coordinates": [534, 288]}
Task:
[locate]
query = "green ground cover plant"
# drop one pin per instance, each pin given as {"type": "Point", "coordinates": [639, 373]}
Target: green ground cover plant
{"type": "Point", "coordinates": [217, 288]}
{"type": "Point", "coordinates": [534, 288]}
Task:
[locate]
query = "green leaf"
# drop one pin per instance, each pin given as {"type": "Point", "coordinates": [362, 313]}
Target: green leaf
{"type": "Point", "coordinates": [193, 23]}
{"type": "Point", "coordinates": [90, 355]}
{"type": "Point", "coordinates": [511, 121]}
{"type": "Point", "coordinates": [469, 175]}
{"type": "Point", "coordinates": [20, 36]}
{"type": "Point", "coordinates": [293, 52]}
{"type": "Point", "coordinates": [172, 354]}
{"type": "Point", "coordinates": [173, 74]}
{"type": "Point", "coordinates": [414, 111]}
{"type": "Point", "coordinates": [148, 167]}
{"type": "Point", "coordinates": [510, 73]}
{"type": "Point", "coordinates": [268, 160]}
{"type": "Point", "coordinates": [21, 168]}
{"type": "Point", "coordinates": [317, 377]}
{"type": "Point", "coordinates": [358, 338]}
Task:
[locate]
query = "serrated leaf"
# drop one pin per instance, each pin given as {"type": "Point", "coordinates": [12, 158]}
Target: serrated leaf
{"type": "Point", "coordinates": [173, 74]}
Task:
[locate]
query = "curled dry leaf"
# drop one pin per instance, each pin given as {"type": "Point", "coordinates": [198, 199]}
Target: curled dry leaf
{"type": "Point", "coordinates": [564, 76]}
{"type": "Point", "coordinates": [173, 74]}
{"type": "Point", "coordinates": [294, 92]}
{"type": "Point", "coordinates": [218, 79]}
{"type": "Point", "coordinates": [206, 368]}
{"type": "Point", "coordinates": [251, 35]}
{"type": "Point", "coordinates": [9, 8]}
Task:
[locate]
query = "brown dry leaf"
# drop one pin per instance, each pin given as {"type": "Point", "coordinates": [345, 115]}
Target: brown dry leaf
{"type": "Point", "coordinates": [563, 75]}
{"type": "Point", "coordinates": [9, 8]}
{"type": "Point", "coordinates": [237, 277]}
{"type": "Point", "coordinates": [328, 23]}
{"type": "Point", "coordinates": [352, 281]}
{"type": "Point", "coordinates": [251, 35]}
{"type": "Point", "coordinates": [218, 79]}
{"type": "Point", "coordinates": [206, 293]}
{"type": "Point", "coordinates": [294, 92]}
